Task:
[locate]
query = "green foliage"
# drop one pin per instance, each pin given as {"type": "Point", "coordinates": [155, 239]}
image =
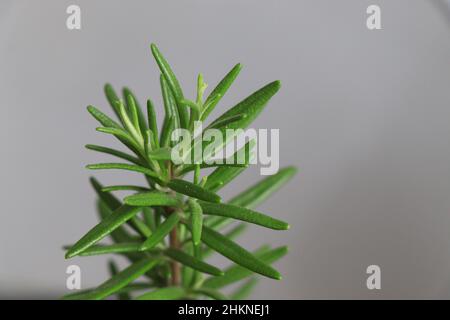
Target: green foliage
{"type": "Point", "coordinates": [168, 228]}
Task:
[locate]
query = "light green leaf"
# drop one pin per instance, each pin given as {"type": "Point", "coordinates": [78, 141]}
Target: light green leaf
{"type": "Point", "coordinates": [161, 154]}
{"type": "Point", "coordinates": [169, 293]}
{"type": "Point", "coordinates": [129, 98]}
{"type": "Point", "coordinates": [101, 230]}
{"type": "Point", "coordinates": [192, 190]}
{"type": "Point", "coordinates": [152, 198]}
{"type": "Point", "coordinates": [170, 104]}
{"type": "Point", "coordinates": [196, 221]}
{"type": "Point", "coordinates": [244, 214]}
{"type": "Point", "coordinates": [122, 166]}
{"type": "Point", "coordinates": [114, 152]}
{"type": "Point", "coordinates": [100, 249]}
{"type": "Point", "coordinates": [192, 262]}
{"type": "Point", "coordinates": [103, 118]}
{"type": "Point", "coordinates": [151, 116]}
{"type": "Point", "coordinates": [174, 85]}
{"type": "Point", "coordinates": [257, 193]}
{"type": "Point", "coordinates": [162, 230]}
{"type": "Point", "coordinates": [121, 279]}
{"type": "Point", "coordinates": [219, 91]}
{"type": "Point", "coordinates": [236, 253]}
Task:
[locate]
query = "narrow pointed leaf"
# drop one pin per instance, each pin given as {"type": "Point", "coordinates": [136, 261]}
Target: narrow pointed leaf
{"type": "Point", "coordinates": [173, 83]}
{"type": "Point", "coordinates": [161, 154]}
{"type": "Point", "coordinates": [192, 190]}
{"type": "Point", "coordinates": [226, 121]}
{"type": "Point", "coordinates": [100, 249]}
{"type": "Point", "coordinates": [152, 198]}
{"type": "Point", "coordinates": [192, 262]}
{"type": "Point", "coordinates": [236, 253]}
{"type": "Point", "coordinates": [102, 118]}
{"type": "Point", "coordinates": [122, 166]}
{"type": "Point", "coordinates": [113, 270]}
{"type": "Point", "coordinates": [114, 152]}
{"type": "Point", "coordinates": [257, 193]}
{"type": "Point", "coordinates": [112, 98]}
{"type": "Point", "coordinates": [196, 221]}
{"type": "Point", "coordinates": [110, 200]}
{"type": "Point", "coordinates": [161, 232]}
{"type": "Point", "coordinates": [237, 272]}
{"type": "Point", "coordinates": [170, 104]}
{"type": "Point", "coordinates": [251, 106]}
{"type": "Point", "coordinates": [122, 279]}
{"type": "Point", "coordinates": [101, 230]}
{"type": "Point", "coordinates": [151, 117]}
{"type": "Point", "coordinates": [219, 91]}
{"type": "Point", "coordinates": [231, 235]}
{"type": "Point", "coordinates": [124, 188]}
{"type": "Point", "coordinates": [244, 214]}
{"type": "Point", "coordinates": [129, 98]}
{"type": "Point", "coordinates": [166, 132]}
{"type": "Point", "coordinates": [169, 293]}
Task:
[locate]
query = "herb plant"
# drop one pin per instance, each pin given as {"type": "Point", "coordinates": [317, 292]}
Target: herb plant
{"type": "Point", "coordinates": [167, 229]}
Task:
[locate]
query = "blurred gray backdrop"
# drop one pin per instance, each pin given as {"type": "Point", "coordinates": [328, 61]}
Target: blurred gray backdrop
{"type": "Point", "coordinates": [363, 114]}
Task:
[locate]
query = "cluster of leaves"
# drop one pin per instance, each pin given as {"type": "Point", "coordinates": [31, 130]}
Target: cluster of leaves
{"type": "Point", "coordinates": [190, 214]}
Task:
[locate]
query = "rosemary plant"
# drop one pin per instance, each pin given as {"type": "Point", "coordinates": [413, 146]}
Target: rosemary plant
{"type": "Point", "coordinates": [167, 229]}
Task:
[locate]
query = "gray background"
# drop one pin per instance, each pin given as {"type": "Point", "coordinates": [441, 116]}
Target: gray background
{"type": "Point", "coordinates": [363, 114]}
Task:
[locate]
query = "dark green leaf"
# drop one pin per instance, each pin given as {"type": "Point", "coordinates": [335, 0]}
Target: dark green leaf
{"type": "Point", "coordinates": [152, 198]}
{"type": "Point", "coordinates": [131, 98]}
{"type": "Point", "coordinates": [112, 98]}
{"type": "Point", "coordinates": [161, 154]}
{"type": "Point", "coordinates": [103, 118]}
{"type": "Point", "coordinates": [244, 214]}
{"type": "Point", "coordinates": [196, 221]}
{"type": "Point", "coordinates": [151, 115]}
{"type": "Point", "coordinates": [100, 249]}
{"type": "Point", "coordinates": [192, 262]}
{"type": "Point", "coordinates": [192, 190]}
{"type": "Point", "coordinates": [101, 230]}
{"type": "Point", "coordinates": [124, 188]}
{"type": "Point", "coordinates": [236, 253]}
{"type": "Point", "coordinates": [113, 270]}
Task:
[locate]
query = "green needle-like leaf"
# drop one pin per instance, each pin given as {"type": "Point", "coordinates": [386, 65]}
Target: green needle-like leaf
{"type": "Point", "coordinates": [196, 221]}
{"type": "Point", "coordinates": [168, 293]}
{"type": "Point", "coordinates": [170, 104]}
{"type": "Point", "coordinates": [236, 253]}
{"type": "Point", "coordinates": [257, 193]}
{"type": "Point", "coordinates": [151, 117]}
{"type": "Point", "coordinates": [193, 190]}
{"type": "Point", "coordinates": [114, 152]}
{"type": "Point", "coordinates": [152, 198]}
{"type": "Point", "coordinates": [131, 98]}
{"type": "Point", "coordinates": [237, 272]}
{"type": "Point", "coordinates": [101, 230]}
{"type": "Point", "coordinates": [192, 262]}
{"type": "Point", "coordinates": [112, 98]}
{"type": "Point", "coordinates": [124, 188]}
{"type": "Point", "coordinates": [161, 154]}
{"type": "Point", "coordinates": [122, 166]}
{"type": "Point", "coordinates": [219, 91]}
{"type": "Point", "coordinates": [162, 230]}
{"type": "Point", "coordinates": [121, 279]}
{"type": "Point", "coordinates": [251, 106]}
{"type": "Point", "coordinates": [226, 121]}
{"type": "Point", "coordinates": [244, 214]}
{"type": "Point", "coordinates": [113, 270]}
{"type": "Point", "coordinates": [99, 249]}
{"type": "Point", "coordinates": [174, 85]}
{"type": "Point", "coordinates": [103, 118]}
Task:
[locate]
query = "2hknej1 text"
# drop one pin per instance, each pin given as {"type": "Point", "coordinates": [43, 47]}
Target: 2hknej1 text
{"type": "Point", "coordinates": [224, 309]}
